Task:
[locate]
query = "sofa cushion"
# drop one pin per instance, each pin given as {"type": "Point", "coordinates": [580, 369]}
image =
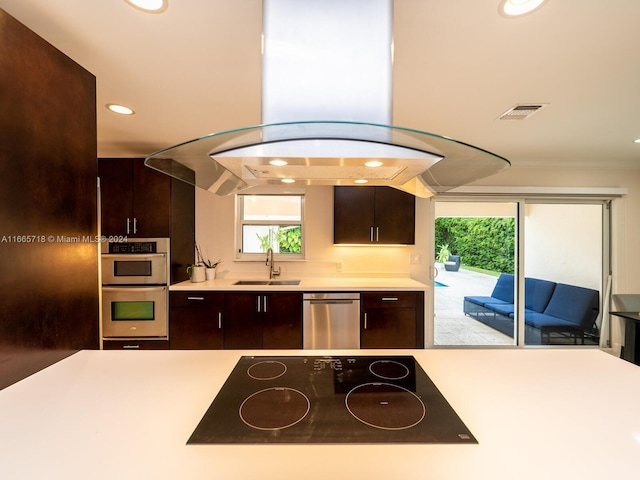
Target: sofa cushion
{"type": "Point", "coordinates": [540, 320]}
{"type": "Point", "coordinates": [504, 288]}
{"type": "Point", "coordinates": [483, 301]}
{"type": "Point", "coordinates": [505, 309]}
{"type": "Point", "coordinates": [537, 293]}
{"type": "Point", "coordinates": [577, 305]}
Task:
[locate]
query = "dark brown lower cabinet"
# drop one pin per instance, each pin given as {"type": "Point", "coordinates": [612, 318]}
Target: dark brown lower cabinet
{"type": "Point", "coordinates": [271, 320]}
{"type": "Point", "coordinates": [392, 320]}
{"type": "Point", "coordinates": [196, 320]}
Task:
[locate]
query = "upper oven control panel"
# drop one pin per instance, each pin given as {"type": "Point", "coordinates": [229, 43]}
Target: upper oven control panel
{"type": "Point", "coordinates": [138, 246]}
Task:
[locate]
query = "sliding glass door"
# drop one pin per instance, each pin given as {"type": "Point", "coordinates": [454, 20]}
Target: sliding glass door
{"type": "Point", "coordinates": [521, 272]}
{"type": "Point", "coordinates": [475, 247]}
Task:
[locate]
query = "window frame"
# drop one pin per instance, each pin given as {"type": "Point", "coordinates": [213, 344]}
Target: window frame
{"type": "Point", "coordinates": [240, 223]}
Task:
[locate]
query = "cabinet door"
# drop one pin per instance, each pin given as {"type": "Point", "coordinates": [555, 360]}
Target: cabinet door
{"type": "Point", "coordinates": [282, 322]}
{"type": "Point", "coordinates": [196, 320]}
{"type": "Point", "coordinates": [391, 320]}
{"type": "Point", "coordinates": [243, 320]}
{"type": "Point", "coordinates": [389, 328]}
{"type": "Point", "coordinates": [116, 192]}
{"type": "Point", "coordinates": [382, 215]}
{"type": "Point", "coordinates": [353, 216]}
{"type": "Point", "coordinates": [394, 216]}
{"type": "Point", "coordinates": [151, 202]}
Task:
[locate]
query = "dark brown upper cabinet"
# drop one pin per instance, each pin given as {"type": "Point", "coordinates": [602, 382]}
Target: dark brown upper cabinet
{"type": "Point", "coordinates": [136, 200]}
{"type": "Point", "coordinates": [373, 215]}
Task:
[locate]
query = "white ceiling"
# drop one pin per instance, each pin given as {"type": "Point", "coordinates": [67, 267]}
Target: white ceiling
{"type": "Point", "coordinates": [195, 70]}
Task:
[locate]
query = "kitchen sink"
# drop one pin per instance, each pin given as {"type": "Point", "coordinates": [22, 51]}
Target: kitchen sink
{"type": "Point", "coordinates": [267, 282]}
{"type": "Point", "coordinates": [284, 282]}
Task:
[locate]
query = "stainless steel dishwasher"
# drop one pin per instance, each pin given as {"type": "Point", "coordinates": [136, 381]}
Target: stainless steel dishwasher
{"type": "Point", "coordinates": [331, 320]}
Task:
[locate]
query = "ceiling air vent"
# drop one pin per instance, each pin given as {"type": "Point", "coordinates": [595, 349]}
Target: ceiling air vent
{"type": "Point", "coordinates": [522, 111]}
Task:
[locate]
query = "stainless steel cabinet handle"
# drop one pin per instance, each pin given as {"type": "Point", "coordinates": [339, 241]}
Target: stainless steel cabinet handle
{"type": "Point", "coordinates": [377, 234]}
{"type": "Point", "coordinates": [130, 347]}
{"type": "Point", "coordinates": [365, 320]}
{"type": "Point", "coordinates": [219, 319]}
{"type": "Point", "coordinates": [195, 298]}
{"type": "Point", "coordinates": [389, 299]}
{"type": "Point", "coordinates": [128, 226]}
{"type": "Point", "coordinates": [258, 300]}
{"type": "Point", "coordinates": [371, 234]}
{"type": "Point", "coordinates": [135, 225]}
{"type": "Point", "coordinates": [264, 304]}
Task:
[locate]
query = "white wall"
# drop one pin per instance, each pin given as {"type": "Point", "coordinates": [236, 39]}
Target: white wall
{"type": "Point", "coordinates": [563, 243]}
{"type": "Point", "coordinates": [215, 233]}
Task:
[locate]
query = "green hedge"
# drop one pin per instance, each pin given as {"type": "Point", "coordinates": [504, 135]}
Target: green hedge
{"type": "Point", "coordinates": [487, 243]}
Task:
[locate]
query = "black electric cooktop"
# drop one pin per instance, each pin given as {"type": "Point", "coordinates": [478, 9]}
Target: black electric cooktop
{"type": "Point", "coordinates": [336, 399]}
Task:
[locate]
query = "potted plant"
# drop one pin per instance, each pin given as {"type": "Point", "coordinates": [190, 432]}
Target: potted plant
{"type": "Point", "coordinates": [210, 267]}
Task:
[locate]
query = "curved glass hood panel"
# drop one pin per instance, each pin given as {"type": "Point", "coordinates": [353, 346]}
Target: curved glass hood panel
{"type": "Point", "coordinates": [326, 153]}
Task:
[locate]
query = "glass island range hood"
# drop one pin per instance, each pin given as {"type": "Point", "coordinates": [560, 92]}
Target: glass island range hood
{"type": "Point", "coordinates": [326, 113]}
{"type": "Point", "coordinates": [326, 153]}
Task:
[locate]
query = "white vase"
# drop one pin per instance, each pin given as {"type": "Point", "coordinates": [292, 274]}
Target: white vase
{"type": "Point", "coordinates": [210, 273]}
{"type": "Point", "coordinates": [198, 274]}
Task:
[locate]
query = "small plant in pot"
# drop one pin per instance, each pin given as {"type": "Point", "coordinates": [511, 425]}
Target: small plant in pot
{"type": "Point", "coordinates": [210, 267]}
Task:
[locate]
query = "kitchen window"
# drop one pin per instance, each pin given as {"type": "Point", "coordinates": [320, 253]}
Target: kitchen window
{"type": "Point", "coordinates": [270, 221]}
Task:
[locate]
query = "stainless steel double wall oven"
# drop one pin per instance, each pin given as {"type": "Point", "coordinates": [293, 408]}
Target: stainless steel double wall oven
{"type": "Point", "coordinates": [135, 288]}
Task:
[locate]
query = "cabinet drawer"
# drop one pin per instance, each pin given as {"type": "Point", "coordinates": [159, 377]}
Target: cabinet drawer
{"type": "Point", "coordinates": [135, 344]}
{"type": "Point", "coordinates": [196, 299]}
{"type": "Point", "coordinates": [388, 299]}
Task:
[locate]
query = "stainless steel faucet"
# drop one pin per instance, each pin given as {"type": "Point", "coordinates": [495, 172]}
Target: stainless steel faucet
{"type": "Point", "coordinates": [273, 272]}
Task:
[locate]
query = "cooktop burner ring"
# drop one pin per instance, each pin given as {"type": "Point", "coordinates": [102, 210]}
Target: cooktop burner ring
{"type": "Point", "coordinates": [267, 370]}
{"type": "Point", "coordinates": [389, 369]}
{"type": "Point", "coordinates": [274, 408]}
{"type": "Point", "coordinates": [385, 406]}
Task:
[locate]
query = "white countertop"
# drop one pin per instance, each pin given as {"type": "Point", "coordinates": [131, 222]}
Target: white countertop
{"type": "Point", "coordinates": [333, 284]}
{"type": "Point", "coordinates": [537, 413]}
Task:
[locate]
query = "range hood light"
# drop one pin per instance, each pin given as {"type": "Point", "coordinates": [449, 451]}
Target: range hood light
{"type": "Point", "coordinates": [288, 180]}
{"type": "Point", "coordinates": [278, 162]}
{"type": "Point", "coordinates": [361, 180]}
{"type": "Point", "coordinates": [373, 163]}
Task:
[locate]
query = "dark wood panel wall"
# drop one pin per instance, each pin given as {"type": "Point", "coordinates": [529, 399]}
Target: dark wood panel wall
{"type": "Point", "coordinates": [48, 205]}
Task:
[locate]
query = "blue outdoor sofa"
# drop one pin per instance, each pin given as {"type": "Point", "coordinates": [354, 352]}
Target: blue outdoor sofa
{"type": "Point", "coordinates": [555, 313]}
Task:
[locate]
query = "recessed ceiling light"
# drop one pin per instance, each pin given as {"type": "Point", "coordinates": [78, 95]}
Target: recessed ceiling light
{"type": "Point", "coordinates": [373, 163]}
{"type": "Point", "coordinates": [361, 180]}
{"type": "Point", "coordinates": [637, 140]}
{"type": "Point", "coordinates": [288, 180]}
{"type": "Point", "coordinates": [121, 109]}
{"type": "Point", "coordinates": [149, 6]}
{"type": "Point", "coordinates": [515, 8]}
{"type": "Point", "coordinates": [278, 163]}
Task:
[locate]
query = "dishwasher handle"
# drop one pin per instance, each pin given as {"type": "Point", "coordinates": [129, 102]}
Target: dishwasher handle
{"type": "Point", "coordinates": [329, 302]}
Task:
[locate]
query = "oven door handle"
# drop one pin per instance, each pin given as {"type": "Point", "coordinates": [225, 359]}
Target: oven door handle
{"type": "Point", "coordinates": [135, 288]}
{"type": "Point", "coordinates": [132, 256]}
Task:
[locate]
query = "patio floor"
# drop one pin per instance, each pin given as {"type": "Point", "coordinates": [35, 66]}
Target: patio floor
{"type": "Point", "coordinates": [451, 325]}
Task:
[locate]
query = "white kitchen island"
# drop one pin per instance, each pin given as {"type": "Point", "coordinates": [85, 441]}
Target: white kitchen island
{"type": "Point", "coordinates": [537, 413]}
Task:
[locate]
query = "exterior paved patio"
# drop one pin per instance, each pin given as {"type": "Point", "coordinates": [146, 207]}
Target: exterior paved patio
{"type": "Point", "coordinates": [451, 325]}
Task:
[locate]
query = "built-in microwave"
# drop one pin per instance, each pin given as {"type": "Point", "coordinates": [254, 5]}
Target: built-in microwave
{"type": "Point", "coordinates": [136, 262]}
{"type": "Point", "coordinates": [138, 311]}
